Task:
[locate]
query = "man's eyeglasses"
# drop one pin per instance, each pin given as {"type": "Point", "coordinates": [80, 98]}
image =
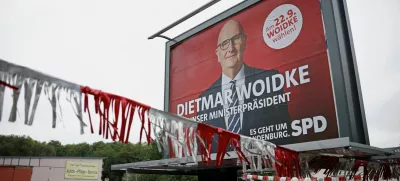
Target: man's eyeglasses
{"type": "Point", "coordinates": [235, 39]}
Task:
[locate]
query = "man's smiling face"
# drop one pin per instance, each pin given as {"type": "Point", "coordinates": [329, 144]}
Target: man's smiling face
{"type": "Point", "coordinates": [231, 45]}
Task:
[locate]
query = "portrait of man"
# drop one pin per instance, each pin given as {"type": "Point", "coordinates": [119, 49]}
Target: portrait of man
{"type": "Point", "coordinates": [230, 47]}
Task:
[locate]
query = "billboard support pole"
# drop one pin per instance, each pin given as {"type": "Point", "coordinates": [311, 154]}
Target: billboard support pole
{"type": "Point", "coordinates": [165, 37]}
{"type": "Point", "coordinates": [198, 10]}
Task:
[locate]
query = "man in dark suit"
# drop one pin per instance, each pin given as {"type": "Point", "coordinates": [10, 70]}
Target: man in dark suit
{"type": "Point", "coordinates": [235, 73]}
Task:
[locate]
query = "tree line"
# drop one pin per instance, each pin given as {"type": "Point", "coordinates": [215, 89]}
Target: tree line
{"type": "Point", "coordinates": [115, 153]}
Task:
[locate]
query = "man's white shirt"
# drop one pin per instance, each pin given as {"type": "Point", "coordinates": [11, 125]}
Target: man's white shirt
{"type": "Point", "coordinates": [240, 80]}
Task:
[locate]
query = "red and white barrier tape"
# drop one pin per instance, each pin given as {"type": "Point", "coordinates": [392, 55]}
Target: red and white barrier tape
{"type": "Point", "coordinates": [276, 178]}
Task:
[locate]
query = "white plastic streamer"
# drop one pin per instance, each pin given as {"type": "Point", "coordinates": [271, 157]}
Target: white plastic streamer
{"type": "Point", "coordinates": [178, 131]}
{"type": "Point", "coordinates": [38, 91]}
{"type": "Point", "coordinates": [17, 82]}
{"type": "Point", "coordinates": [33, 83]}
{"type": "Point", "coordinates": [76, 102]}
{"type": "Point", "coordinates": [32, 88]}
{"type": "Point", "coordinates": [2, 88]}
{"type": "Point", "coordinates": [50, 92]}
{"type": "Point", "coordinates": [258, 149]}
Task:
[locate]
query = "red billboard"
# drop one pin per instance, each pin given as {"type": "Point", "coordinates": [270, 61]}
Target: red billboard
{"type": "Point", "coordinates": [263, 72]}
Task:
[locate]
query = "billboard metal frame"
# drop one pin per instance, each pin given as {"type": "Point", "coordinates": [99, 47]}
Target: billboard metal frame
{"type": "Point", "coordinates": [344, 72]}
{"type": "Point", "coordinates": [353, 138]}
{"type": "Point", "coordinates": [343, 66]}
{"type": "Point", "coordinates": [198, 10]}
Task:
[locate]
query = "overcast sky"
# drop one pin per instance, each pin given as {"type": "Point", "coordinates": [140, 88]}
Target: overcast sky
{"type": "Point", "coordinates": [103, 44]}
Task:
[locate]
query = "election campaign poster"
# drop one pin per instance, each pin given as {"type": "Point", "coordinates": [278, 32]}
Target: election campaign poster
{"type": "Point", "coordinates": [263, 72]}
